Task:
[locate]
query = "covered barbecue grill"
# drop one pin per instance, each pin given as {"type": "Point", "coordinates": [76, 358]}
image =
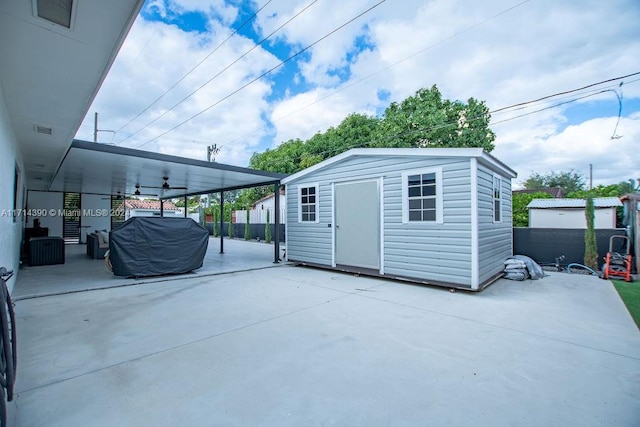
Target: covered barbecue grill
{"type": "Point", "coordinates": [153, 246]}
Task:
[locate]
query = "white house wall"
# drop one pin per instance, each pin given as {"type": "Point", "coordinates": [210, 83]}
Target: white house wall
{"type": "Point", "coordinates": [270, 203]}
{"type": "Point", "coordinates": [10, 231]}
{"type": "Point", "coordinates": [604, 218]}
{"type": "Point", "coordinates": [96, 211]}
{"type": "Point", "coordinates": [49, 205]}
{"type": "Point", "coordinates": [495, 240]}
{"type": "Point", "coordinates": [155, 212]}
{"type": "Point", "coordinates": [435, 252]}
{"type": "Point", "coordinates": [259, 216]}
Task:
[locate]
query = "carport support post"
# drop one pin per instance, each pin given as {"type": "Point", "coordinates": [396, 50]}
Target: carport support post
{"type": "Point", "coordinates": [276, 243]}
{"type": "Point", "coordinates": [222, 222]}
{"type": "Point", "coordinates": [185, 206]}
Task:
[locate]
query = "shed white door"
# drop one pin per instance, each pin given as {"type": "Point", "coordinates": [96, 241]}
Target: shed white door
{"type": "Point", "coordinates": [357, 224]}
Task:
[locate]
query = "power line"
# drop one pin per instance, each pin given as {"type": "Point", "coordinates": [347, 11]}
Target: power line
{"type": "Point", "coordinates": [166, 137]}
{"type": "Point", "coordinates": [520, 105]}
{"type": "Point", "coordinates": [225, 68]}
{"type": "Point", "coordinates": [388, 67]}
{"type": "Point", "coordinates": [116, 89]}
{"type": "Point", "coordinates": [569, 91]}
{"type": "Point", "coordinates": [249, 19]}
{"type": "Point", "coordinates": [265, 73]}
{"type": "Point", "coordinates": [547, 108]}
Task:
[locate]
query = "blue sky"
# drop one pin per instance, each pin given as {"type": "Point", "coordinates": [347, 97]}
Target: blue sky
{"type": "Point", "coordinates": [504, 53]}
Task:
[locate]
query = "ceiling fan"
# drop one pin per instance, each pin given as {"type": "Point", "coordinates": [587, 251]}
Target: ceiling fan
{"type": "Point", "coordinates": [119, 195]}
{"type": "Point", "coordinates": [165, 185]}
{"type": "Point", "coordinates": [138, 193]}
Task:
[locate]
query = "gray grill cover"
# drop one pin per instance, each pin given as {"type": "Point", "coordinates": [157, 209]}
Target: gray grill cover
{"type": "Point", "coordinates": [150, 246]}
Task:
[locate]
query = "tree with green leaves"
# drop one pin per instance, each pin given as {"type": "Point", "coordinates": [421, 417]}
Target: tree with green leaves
{"type": "Point", "coordinates": [520, 201]}
{"type": "Point", "coordinates": [267, 229]}
{"type": "Point", "coordinates": [247, 228]}
{"type": "Point", "coordinates": [425, 119]}
{"type": "Point", "coordinates": [590, 247]}
{"type": "Point", "coordinates": [215, 225]}
{"type": "Point", "coordinates": [284, 159]}
{"type": "Point", "coordinates": [570, 181]}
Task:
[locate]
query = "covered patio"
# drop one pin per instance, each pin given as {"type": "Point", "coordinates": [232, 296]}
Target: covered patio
{"type": "Point", "coordinates": [115, 172]}
{"type": "Point", "coordinates": [81, 273]}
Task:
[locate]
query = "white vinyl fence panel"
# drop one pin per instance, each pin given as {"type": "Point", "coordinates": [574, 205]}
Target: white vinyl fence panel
{"type": "Point", "coordinates": [258, 216]}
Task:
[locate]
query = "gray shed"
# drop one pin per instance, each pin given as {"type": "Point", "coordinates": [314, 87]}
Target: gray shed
{"type": "Point", "coordinates": [440, 216]}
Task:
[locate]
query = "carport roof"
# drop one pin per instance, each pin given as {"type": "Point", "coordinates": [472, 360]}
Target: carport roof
{"type": "Point", "coordinates": [93, 168]}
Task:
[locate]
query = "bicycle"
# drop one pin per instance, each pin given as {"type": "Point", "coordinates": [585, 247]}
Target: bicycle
{"type": "Point", "coordinates": [571, 268]}
{"type": "Point", "coordinates": [8, 337]}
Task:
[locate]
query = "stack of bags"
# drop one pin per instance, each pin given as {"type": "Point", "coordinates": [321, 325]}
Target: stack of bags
{"type": "Point", "coordinates": [521, 267]}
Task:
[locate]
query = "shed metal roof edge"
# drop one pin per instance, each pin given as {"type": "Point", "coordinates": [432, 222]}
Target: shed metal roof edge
{"type": "Point", "coordinates": [124, 151]}
{"type": "Point", "coordinates": [404, 152]}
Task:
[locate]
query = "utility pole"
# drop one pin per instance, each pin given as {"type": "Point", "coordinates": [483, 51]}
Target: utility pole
{"type": "Point", "coordinates": [95, 128]}
{"type": "Point", "coordinates": [212, 152]}
{"type": "Point", "coordinates": [590, 176]}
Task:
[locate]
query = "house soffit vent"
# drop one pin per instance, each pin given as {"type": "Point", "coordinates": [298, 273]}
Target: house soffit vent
{"type": "Point", "coordinates": [43, 129]}
{"type": "Point", "coordinates": [60, 12]}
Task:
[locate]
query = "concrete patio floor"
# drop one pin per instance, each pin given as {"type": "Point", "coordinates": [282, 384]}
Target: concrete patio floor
{"type": "Point", "coordinates": [79, 272]}
{"type": "Point", "coordinates": [294, 346]}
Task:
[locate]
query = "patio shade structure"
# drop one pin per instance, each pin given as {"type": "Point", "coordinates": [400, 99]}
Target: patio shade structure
{"type": "Point", "coordinates": [93, 168]}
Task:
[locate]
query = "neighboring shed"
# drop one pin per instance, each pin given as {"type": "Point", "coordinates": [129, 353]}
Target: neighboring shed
{"type": "Point", "coordinates": [569, 213]}
{"type": "Point", "coordinates": [440, 216]}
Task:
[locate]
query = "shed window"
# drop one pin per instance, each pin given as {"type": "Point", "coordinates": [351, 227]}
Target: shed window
{"type": "Point", "coordinates": [308, 204]}
{"type": "Point", "coordinates": [422, 196]}
{"type": "Point", "coordinates": [497, 199]}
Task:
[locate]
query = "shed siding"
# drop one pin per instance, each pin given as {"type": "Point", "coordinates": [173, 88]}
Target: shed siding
{"type": "Point", "coordinates": [427, 251]}
{"type": "Point", "coordinates": [438, 252]}
{"type": "Point", "coordinates": [309, 242]}
{"type": "Point", "coordinates": [495, 241]}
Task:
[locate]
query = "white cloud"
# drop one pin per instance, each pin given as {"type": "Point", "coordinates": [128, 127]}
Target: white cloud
{"type": "Point", "coordinates": [304, 115]}
{"type": "Point", "coordinates": [575, 147]}
{"type": "Point", "coordinates": [143, 73]}
{"type": "Point", "coordinates": [537, 48]}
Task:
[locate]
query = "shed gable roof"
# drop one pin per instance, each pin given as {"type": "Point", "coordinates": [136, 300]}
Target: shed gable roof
{"type": "Point", "coordinates": [469, 153]}
{"type": "Point", "coordinates": [598, 202]}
